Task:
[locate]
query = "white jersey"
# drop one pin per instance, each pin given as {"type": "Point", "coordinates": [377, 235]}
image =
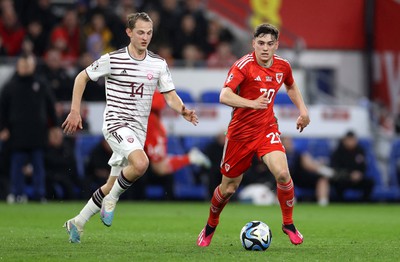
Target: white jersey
{"type": "Point", "coordinates": [130, 85]}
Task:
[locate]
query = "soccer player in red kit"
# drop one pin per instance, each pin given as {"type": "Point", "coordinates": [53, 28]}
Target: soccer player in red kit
{"type": "Point", "coordinates": [250, 89]}
{"type": "Point", "coordinates": [156, 144]}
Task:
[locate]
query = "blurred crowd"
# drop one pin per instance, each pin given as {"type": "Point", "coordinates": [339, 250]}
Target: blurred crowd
{"type": "Point", "coordinates": [76, 34]}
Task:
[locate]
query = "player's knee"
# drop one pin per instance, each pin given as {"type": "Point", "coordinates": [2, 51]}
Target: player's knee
{"type": "Point", "coordinates": [230, 190]}
{"type": "Point", "coordinates": [283, 176]}
{"type": "Point", "coordinates": [141, 166]}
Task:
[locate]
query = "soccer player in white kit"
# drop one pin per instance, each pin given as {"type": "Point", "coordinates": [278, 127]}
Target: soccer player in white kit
{"type": "Point", "coordinates": [132, 75]}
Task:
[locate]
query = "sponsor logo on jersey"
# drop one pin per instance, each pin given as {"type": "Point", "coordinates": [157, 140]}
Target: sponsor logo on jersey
{"type": "Point", "coordinates": [279, 77]}
{"type": "Point", "coordinates": [124, 72]}
{"type": "Point", "coordinates": [258, 78]}
{"type": "Point", "coordinates": [268, 78]}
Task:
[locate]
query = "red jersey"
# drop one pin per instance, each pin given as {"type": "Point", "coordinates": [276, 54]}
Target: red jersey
{"type": "Point", "coordinates": [250, 80]}
{"type": "Point", "coordinates": [156, 140]}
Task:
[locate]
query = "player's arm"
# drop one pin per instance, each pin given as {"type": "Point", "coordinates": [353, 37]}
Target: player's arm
{"type": "Point", "coordinates": [74, 120]}
{"type": "Point", "coordinates": [175, 102]}
{"type": "Point", "coordinates": [294, 93]}
{"type": "Point", "coordinates": [229, 98]}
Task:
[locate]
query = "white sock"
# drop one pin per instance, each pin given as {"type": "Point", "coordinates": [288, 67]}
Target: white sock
{"type": "Point", "coordinates": [89, 210]}
{"type": "Point", "coordinates": [119, 187]}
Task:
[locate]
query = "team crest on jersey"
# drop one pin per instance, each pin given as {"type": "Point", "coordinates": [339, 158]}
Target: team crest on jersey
{"type": "Point", "coordinates": [279, 77]}
{"type": "Point", "coordinates": [149, 75]}
{"type": "Point", "coordinates": [227, 167]}
{"type": "Point", "coordinates": [130, 139]}
{"type": "Point", "coordinates": [230, 77]}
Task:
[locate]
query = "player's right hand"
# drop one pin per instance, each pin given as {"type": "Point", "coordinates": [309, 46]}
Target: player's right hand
{"type": "Point", "coordinates": [261, 102]}
{"type": "Point", "coordinates": [72, 122]}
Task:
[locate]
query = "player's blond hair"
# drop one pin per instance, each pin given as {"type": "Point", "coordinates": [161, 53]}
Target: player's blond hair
{"type": "Point", "coordinates": [132, 19]}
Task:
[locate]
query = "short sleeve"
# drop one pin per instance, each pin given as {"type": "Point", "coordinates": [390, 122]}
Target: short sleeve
{"type": "Point", "coordinates": [165, 82]}
{"type": "Point", "coordinates": [235, 77]}
{"type": "Point", "coordinates": [289, 80]}
{"type": "Point", "coordinates": [99, 68]}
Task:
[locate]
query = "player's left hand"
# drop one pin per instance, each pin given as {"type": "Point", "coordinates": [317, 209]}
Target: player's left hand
{"type": "Point", "coordinates": [190, 115]}
{"type": "Point", "coordinates": [302, 122]}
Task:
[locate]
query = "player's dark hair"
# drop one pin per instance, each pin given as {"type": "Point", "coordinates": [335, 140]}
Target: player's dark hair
{"type": "Point", "coordinates": [132, 19]}
{"type": "Point", "coordinates": [265, 29]}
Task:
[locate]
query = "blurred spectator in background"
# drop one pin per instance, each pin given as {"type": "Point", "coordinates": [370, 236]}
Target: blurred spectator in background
{"type": "Point", "coordinates": [160, 37]}
{"type": "Point", "coordinates": [98, 36]}
{"type": "Point", "coordinates": [308, 172]}
{"type": "Point", "coordinates": [194, 8]}
{"type": "Point", "coordinates": [222, 57]}
{"type": "Point", "coordinates": [26, 112]}
{"type": "Point", "coordinates": [66, 37]}
{"type": "Point", "coordinates": [60, 164]}
{"type": "Point", "coordinates": [42, 11]}
{"type": "Point", "coordinates": [186, 34]}
{"type": "Point", "coordinates": [113, 22]}
{"type": "Point", "coordinates": [170, 18]}
{"type": "Point", "coordinates": [349, 162]}
{"type": "Point", "coordinates": [192, 57]}
{"type": "Point", "coordinates": [37, 36]}
{"type": "Point", "coordinates": [217, 34]}
{"type": "Point", "coordinates": [12, 33]}
{"type": "Point", "coordinates": [55, 76]}
{"type": "Point", "coordinates": [165, 51]}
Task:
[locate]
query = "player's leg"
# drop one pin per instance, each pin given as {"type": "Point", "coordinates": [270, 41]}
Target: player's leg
{"type": "Point", "coordinates": [127, 151]}
{"type": "Point", "coordinates": [277, 164]}
{"type": "Point", "coordinates": [220, 198]}
{"type": "Point", "coordinates": [76, 224]}
{"type": "Point", "coordinates": [322, 191]}
{"type": "Point", "coordinates": [236, 160]}
{"type": "Point", "coordinates": [163, 164]}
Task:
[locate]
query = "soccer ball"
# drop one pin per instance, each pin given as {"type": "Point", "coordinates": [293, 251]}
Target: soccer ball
{"type": "Point", "coordinates": [256, 235]}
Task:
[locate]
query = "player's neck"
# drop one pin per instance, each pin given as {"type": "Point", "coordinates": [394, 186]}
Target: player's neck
{"type": "Point", "coordinates": [136, 54]}
{"type": "Point", "coordinates": [266, 64]}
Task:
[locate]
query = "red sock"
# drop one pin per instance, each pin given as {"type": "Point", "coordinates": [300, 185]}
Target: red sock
{"type": "Point", "coordinates": [178, 162]}
{"type": "Point", "coordinates": [218, 203]}
{"type": "Point", "coordinates": [286, 200]}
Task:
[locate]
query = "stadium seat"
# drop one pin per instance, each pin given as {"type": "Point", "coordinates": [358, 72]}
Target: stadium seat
{"type": "Point", "coordinates": [196, 141]}
{"type": "Point", "coordinates": [282, 98]}
{"type": "Point", "coordinates": [210, 97]}
{"type": "Point", "coordinates": [185, 96]}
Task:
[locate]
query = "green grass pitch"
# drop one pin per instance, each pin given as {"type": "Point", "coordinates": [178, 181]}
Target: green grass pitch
{"type": "Point", "coordinates": [167, 231]}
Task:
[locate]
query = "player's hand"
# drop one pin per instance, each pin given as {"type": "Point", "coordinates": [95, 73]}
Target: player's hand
{"type": "Point", "coordinates": [261, 102]}
{"type": "Point", "coordinates": [190, 115]}
{"type": "Point", "coordinates": [302, 122]}
{"type": "Point", "coordinates": [72, 122]}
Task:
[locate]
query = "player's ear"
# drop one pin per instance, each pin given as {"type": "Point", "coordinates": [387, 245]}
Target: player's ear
{"type": "Point", "coordinates": [277, 44]}
{"type": "Point", "coordinates": [128, 32]}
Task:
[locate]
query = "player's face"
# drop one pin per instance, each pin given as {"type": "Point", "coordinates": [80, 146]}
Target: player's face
{"type": "Point", "coordinates": [265, 47]}
{"type": "Point", "coordinates": [141, 35]}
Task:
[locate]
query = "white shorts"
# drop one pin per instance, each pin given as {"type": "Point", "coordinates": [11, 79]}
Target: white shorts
{"type": "Point", "coordinates": [122, 142]}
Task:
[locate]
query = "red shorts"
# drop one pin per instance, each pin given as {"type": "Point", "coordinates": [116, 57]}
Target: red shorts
{"type": "Point", "coordinates": [238, 155]}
